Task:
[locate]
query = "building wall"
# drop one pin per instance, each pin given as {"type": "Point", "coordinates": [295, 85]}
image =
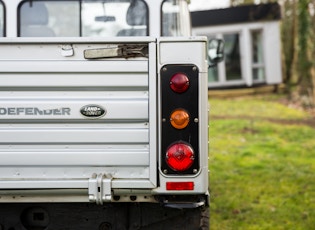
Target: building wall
{"type": "Point", "coordinates": [252, 53]}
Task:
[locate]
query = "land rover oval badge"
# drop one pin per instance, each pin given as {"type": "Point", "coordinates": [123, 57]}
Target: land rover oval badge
{"type": "Point", "coordinates": [93, 111]}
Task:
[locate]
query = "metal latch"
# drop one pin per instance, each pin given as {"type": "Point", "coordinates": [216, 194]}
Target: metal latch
{"type": "Point", "coordinates": [100, 188]}
{"type": "Point", "coordinates": [67, 50]}
{"type": "Point", "coordinates": [122, 50]}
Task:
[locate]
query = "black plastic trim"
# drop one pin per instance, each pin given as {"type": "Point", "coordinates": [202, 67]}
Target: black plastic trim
{"type": "Point", "coordinates": [188, 101]}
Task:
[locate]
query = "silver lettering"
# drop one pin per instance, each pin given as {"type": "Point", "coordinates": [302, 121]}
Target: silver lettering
{"type": "Point", "coordinates": [48, 112]}
{"type": "Point", "coordinates": [66, 111]}
{"type": "Point", "coordinates": [38, 111]}
{"type": "Point", "coordinates": [19, 111]}
{"type": "Point", "coordinates": [3, 111]}
{"type": "Point", "coordinates": [11, 111]}
{"type": "Point", "coordinates": [34, 111]}
{"type": "Point", "coordinates": [57, 112]}
{"type": "Point", "coordinates": [29, 111]}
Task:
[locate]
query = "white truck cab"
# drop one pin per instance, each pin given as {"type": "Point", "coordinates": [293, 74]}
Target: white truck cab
{"type": "Point", "coordinates": [103, 116]}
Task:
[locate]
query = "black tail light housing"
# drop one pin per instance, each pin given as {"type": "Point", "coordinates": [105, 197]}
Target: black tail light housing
{"type": "Point", "coordinates": [179, 119]}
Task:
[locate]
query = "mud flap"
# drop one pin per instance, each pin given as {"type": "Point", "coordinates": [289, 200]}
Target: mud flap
{"type": "Point", "coordinates": [156, 217]}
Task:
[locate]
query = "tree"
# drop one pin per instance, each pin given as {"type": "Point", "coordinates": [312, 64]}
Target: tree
{"type": "Point", "coordinates": [242, 2]}
{"type": "Point", "coordinates": [304, 63]}
{"type": "Point", "coordinates": [289, 44]}
{"type": "Point", "coordinates": [312, 36]}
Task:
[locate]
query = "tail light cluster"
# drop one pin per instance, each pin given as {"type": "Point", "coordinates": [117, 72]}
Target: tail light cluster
{"type": "Point", "coordinates": [180, 121]}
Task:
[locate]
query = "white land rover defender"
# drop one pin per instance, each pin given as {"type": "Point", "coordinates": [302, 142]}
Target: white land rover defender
{"type": "Point", "coordinates": [103, 116]}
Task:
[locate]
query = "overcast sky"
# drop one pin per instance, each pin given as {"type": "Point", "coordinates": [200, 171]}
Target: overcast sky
{"type": "Point", "coordinates": [208, 4]}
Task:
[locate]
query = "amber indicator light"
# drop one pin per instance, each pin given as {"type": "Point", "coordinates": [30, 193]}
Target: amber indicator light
{"type": "Point", "coordinates": [179, 119]}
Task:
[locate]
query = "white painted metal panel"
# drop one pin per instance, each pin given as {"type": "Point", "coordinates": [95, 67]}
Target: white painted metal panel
{"type": "Point", "coordinates": [70, 184]}
{"type": "Point", "coordinates": [75, 158]}
{"type": "Point", "coordinates": [67, 172]}
{"type": "Point", "coordinates": [56, 149]}
{"type": "Point", "coordinates": [71, 135]}
{"type": "Point", "coordinates": [74, 80]}
{"type": "Point", "coordinates": [181, 51]}
{"type": "Point", "coordinates": [168, 52]}
{"type": "Point", "coordinates": [57, 66]}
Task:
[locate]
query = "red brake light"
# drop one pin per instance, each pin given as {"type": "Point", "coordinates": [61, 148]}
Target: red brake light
{"type": "Point", "coordinates": [180, 156]}
{"type": "Point", "coordinates": [179, 83]}
{"type": "Point", "coordinates": [180, 186]}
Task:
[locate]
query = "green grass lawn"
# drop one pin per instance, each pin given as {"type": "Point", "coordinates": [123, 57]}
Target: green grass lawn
{"type": "Point", "coordinates": [262, 165]}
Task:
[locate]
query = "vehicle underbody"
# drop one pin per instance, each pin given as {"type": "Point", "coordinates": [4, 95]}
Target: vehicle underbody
{"type": "Point", "coordinates": [111, 216]}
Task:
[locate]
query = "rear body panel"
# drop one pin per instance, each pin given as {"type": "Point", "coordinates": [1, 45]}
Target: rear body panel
{"type": "Point", "coordinates": [47, 142]}
{"type": "Point", "coordinates": [85, 123]}
{"type": "Point", "coordinates": [44, 136]}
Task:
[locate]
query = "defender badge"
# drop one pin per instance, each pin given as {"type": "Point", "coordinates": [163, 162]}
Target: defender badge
{"type": "Point", "coordinates": [93, 111]}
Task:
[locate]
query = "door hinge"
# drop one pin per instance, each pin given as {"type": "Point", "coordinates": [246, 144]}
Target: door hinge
{"type": "Point", "coordinates": [100, 188]}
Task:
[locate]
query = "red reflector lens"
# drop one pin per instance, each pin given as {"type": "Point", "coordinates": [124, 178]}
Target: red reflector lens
{"type": "Point", "coordinates": [180, 157]}
{"type": "Point", "coordinates": [180, 186]}
{"type": "Point", "coordinates": [179, 83]}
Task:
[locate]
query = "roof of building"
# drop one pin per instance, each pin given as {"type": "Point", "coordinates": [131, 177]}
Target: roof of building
{"type": "Point", "coordinates": [239, 14]}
